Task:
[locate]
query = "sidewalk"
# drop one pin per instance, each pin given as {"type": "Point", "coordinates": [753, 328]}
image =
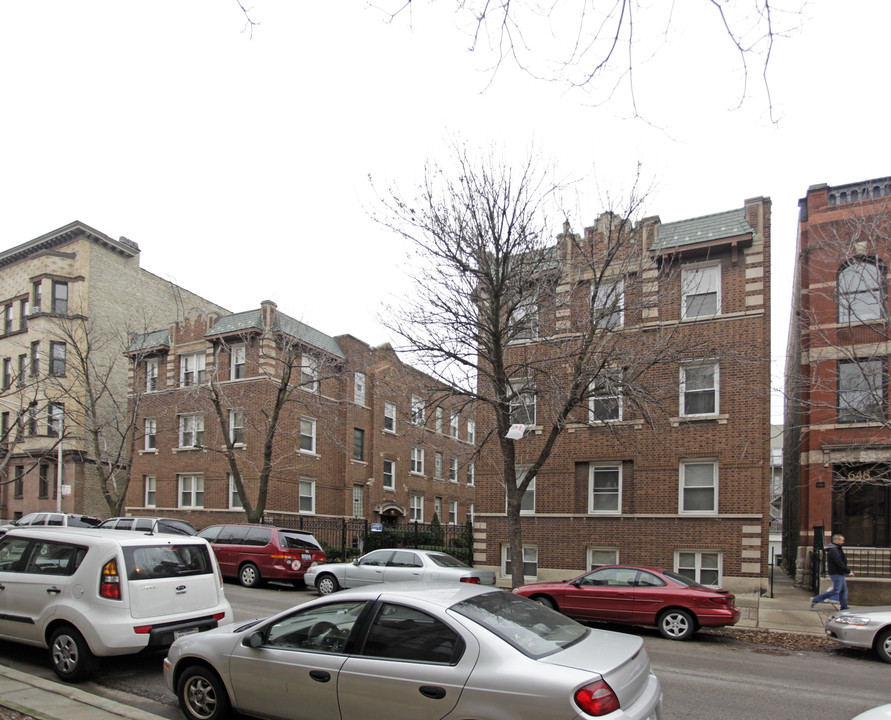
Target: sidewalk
{"type": "Point", "coordinates": [787, 611]}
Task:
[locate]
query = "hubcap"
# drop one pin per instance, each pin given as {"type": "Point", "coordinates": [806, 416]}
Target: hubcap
{"type": "Point", "coordinates": [65, 653]}
{"type": "Point", "coordinates": [675, 625]}
{"type": "Point", "coordinates": [201, 698]}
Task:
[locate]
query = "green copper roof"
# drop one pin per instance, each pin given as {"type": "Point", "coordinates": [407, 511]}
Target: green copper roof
{"type": "Point", "coordinates": [702, 229]}
{"type": "Point", "coordinates": [148, 341]}
{"type": "Point", "coordinates": [253, 320]}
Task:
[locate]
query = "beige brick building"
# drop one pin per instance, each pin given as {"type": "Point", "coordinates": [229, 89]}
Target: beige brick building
{"type": "Point", "coordinates": [72, 282]}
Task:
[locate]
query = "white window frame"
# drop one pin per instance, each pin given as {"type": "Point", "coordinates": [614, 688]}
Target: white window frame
{"type": "Point", "coordinates": [608, 386]}
{"type": "Point", "coordinates": [525, 320]}
{"type": "Point", "coordinates": [389, 417]}
{"type": "Point", "coordinates": [389, 478]}
{"type": "Point", "coordinates": [593, 469]}
{"type": "Point", "coordinates": [236, 422]}
{"type": "Point", "coordinates": [437, 507]}
{"type": "Point", "coordinates": [453, 470]}
{"type": "Point", "coordinates": [151, 375]}
{"type": "Point", "coordinates": [237, 358]}
{"type": "Point", "coordinates": [592, 559]}
{"type": "Point", "coordinates": [417, 460]}
{"type": "Point", "coordinates": [306, 495]}
{"type": "Point", "coordinates": [695, 279]}
{"type": "Point", "coordinates": [683, 486]}
{"type": "Point", "coordinates": [439, 417]}
{"type": "Point", "coordinates": [854, 284]}
{"type": "Point", "coordinates": [471, 474]}
{"type": "Point", "coordinates": [453, 425]}
{"type": "Point", "coordinates": [527, 505]}
{"type": "Point", "coordinates": [309, 373]}
{"type": "Point", "coordinates": [417, 410]}
{"type": "Point", "coordinates": [191, 427]}
{"type": "Point", "coordinates": [190, 490]}
{"type": "Point", "coordinates": [192, 368]}
{"type": "Point", "coordinates": [150, 491]}
{"type": "Point", "coordinates": [521, 409]}
{"type": "Point", "coordinates": [151, 435]}
{"type": "Point", "coordinates": [359, 387]}
{"type": "Point", "coordinates": [437, 465]}
{"type": "Point", "coordinates": [416, 508]}
{"type": "Point", "coordinates": [358, 501]}
{"type": "Point", "coordinates": [609, 304]}
{"type": "Point", "coordinates": [696, 569]}
{"type": "Point", "coordinates": [453, 512]}
{"type": "Point", "coordinates": [530, 555]}
{"type": "Point", "coordinates": [471, 431]}
{"type": "Point", "coordinates": [308, 429]}
{"type": "Point", "coordinates": [234, 498]}
{"type": "Point", "coordinates": [715, 390]}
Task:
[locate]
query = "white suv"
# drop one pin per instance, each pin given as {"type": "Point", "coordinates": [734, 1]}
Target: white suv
{"type": "Point", "coordinates": [87, 593]}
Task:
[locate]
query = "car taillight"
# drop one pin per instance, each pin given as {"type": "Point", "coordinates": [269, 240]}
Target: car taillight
{"type": "Point", "coordinates": [110, 581]}
{"type": "Point", "coordinates": [597, 698]}
{"type": "Point", "coordinates": [722, 600]}
{"type": "Point", "coordinates": [472, 580]}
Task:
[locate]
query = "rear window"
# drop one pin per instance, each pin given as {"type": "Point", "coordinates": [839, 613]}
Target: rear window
{"type": "Point", "coordinates": [258, 537]}
{"type": "Point", "coordinates": [444, 560]}
{"type": "Point", "coordinates": [295, 541]}
{"type": "Point", "coordinates": [232, 535]}
{"type": "Point", "coordinates": [166, 561]}
{"type": "Point", "coordinates": [81, 521]}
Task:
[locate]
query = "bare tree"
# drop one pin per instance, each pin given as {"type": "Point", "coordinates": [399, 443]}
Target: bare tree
{"type": "Point", "coordinates": [496, 312]}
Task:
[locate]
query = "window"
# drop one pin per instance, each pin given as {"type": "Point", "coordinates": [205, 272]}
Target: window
{"type": "Point", "coordinates": [23, 314]}
{"type": "Point", "coordinates": [237, 356]}
{"type": "Point", "coordinates": [471, 473]}
{"type": "Point", "coordinates": [701, 566]}
{"type": "Point", "coordinates": [54, 418]}
{"type": "Point", "coordinates": [191, 430]}
{"type": "Point", "coordinates": [32, 420]}
{"type": "Point", "coordinates": [605, 403]}
{"type": "Point", "coordinates": [453, 512]}
{"type": "Point", "coordinates": [471, 431]}
{"type": "Point", "coordinates": [397, 632]}
{"type": "Point", "coordinates": [530, 561]}
{"type": "Point", "coordinates": [861, 391]}
{"type": "Point", "coordinates": [605, 488]}
{"type": "Point", "coordinates": [608, 305]}
{"type": "Point", "coordinates": [299, 630]}
{"type": "Point", "coordinates": [359, 388]}
{"type": "Point", "coordinates": [453, 470]}
{"type": "Point", "coordinates": [522, 403]}
{"type": "Point", "coordinates": [191, 369]}
{"type": "Point", "coordinates": [699, 389]}
{"type": "Point", "coordinates": [18, 478]}
{"type": "Point", "coordinates": [701, 288]}
{"type": "Point", "coordinates": [527, 504]}
{"type": "Point", "coordinates": [236, 427]}
{"type": "Point", "coordinates": [309, 374]}
{"type": "Point", "coordinates": [234, 498]}
{"type": "Point", "coordinates": [8, 318]}
{"type": "Point", "coordinates": [699, 486]}
{"type": "Point", "coordinates": [38, 294]}
{"type": "Point", "coordinates": [453, 425]}
{"type": "Point", "coordinates": [151, 434]}
{"type": "Point", "coordinates": [390, 417]}
{"type": "Point", "coordinates": [416, 508]}
{"type": "Point", "coordinates": [358, 444]}
{"type": "Point", "coordinates": [151, 491]}
{"type": "Point", "coordinates": [389, 474]}
{"type": "Point", "coordinates": [7, 372]}
{"type": "Point", "coordinates": [35, 358]}
{"type": "Point", "coordinates": [307, 496]}
{"type": "Point", "coordinates": [191, 491]}
{"type": "Point", "coordinates": [437, 465]}
{"type": "Point", "coordinates": [417, 410]}
{"type": "Point", "coordinates": [417, 461]}
{"type": "Point", "coordinates": [60, 298]}
{"type": "Point", "coordinates": [358, 501]}
{"type": "Point", "coordinates": [437, 507]}
{"type": "Point", "coordinates": [598, 557]}
{"type": "Point", "coordinates": [526, 319]}
{"type": "Point", "coordinates": [43, 481]}
{"type": "Point", "coordinates": [307, 435]}
{"type": "Point", "coordinates": [861, 292]}
{"type": "Point", "coordinates": [23, 366]}
{"type": "Point", "coordinates": [439, 416]}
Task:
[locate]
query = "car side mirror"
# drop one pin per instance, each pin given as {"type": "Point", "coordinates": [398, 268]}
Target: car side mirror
{"type": "Point", "coordinates": [356, 561]}
{"type": "Point", "coordinates": [254, 640]}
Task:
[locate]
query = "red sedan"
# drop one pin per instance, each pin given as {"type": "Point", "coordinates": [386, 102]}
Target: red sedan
{"type": "Point", "coordinates": [673, 603]}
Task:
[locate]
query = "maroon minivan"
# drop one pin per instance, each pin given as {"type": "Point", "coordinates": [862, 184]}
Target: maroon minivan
{"type": "Point", "coordinates": [256, 553]}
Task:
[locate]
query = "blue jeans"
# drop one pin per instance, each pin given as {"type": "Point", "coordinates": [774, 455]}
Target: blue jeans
{"type": "Point", "coordinates": [838, 591]}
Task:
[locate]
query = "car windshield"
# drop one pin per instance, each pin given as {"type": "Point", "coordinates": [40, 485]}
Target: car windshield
{"type": "Point", "coordinates": [683, 580]}
{"type": "Point", "coordinates": [444, 560]}
{"type": "Point", "coordinates": [293, 541]}
{"type": "Point", "coordinates": [533, 629]}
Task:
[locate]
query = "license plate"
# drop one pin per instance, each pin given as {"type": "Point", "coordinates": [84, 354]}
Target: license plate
{"type": "Point", "coordinates": [181, 633]}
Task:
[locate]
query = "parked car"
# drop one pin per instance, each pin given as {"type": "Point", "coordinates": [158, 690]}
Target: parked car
{"type": "Point", "coordinates": [394, 566]}
{"type": "Point", "coordinates": [256, 553]}
{"type": "Point", "coordinates": [87, 593]}
{"type": "Point", "coordinates": [675, 604]}
{"type": "Point", "coordinates": [52, 519]}
{"type": "Point", "coordinates": [415, 651]}
{"type": "Point", "coordinates": [172, 526]}
{"type": "Point", "coordinates": [866, 628]}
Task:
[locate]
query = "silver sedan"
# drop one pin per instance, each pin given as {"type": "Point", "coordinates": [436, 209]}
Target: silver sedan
{"type": "Point", "coordinates": [394, 566]}
{"type": "Point", "coordinates": [414, 651]}
{"type": "Point", "coordinates": [866, 628]}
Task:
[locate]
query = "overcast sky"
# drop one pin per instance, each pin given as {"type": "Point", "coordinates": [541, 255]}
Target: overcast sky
{"type": "Point", "coordinates": [239, 163]}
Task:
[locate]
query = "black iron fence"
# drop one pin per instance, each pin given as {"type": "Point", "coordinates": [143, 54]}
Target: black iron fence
{"type": "Point", "coordinates": [347, 538]}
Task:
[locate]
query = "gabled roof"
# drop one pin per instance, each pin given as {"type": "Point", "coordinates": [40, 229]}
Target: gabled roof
{"type": "Point", "coordinates": [150, 341]}
{"type": "Point", "coordinates": [63, 235]}
{"type": "Point", "coordinates": [705, 229]}
{"type": "Point", "coordinates": [253, 320]}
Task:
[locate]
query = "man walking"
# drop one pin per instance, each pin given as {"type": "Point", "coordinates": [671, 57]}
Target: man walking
{"type": "Point", "coordinates": [837, 565]}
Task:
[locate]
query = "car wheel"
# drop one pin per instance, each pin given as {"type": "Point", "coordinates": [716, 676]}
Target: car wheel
{"type": "Point", "coordinates": [883, 644]}
{"type": "Point", "coordinates": [249, 575]}
{"type": "Point", "coordinates": [676, 624]}
{"type": "Point", "coordinates": [70, 655]}
{"type": "Point", "coordinates": [202, 695]}
{"type": "Point", "coordinates": [546, 601]}
{"type": "Point", "coordinates": [327, 584]}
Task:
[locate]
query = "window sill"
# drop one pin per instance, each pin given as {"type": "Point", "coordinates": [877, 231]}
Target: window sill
{"type": "Point", "coordinates": [357, 461]}
{"type": "Point", "coordinates": [389, 432]}
{"type": "Point", "coordinates": [307, 453]}
{"type": "Point", "coordinates": [416, 474]}
{"type": "Point", "coordinates": [690, 419]}
{"type": "Point", "coordinates": [153, 451]}
{"type": "Point", "coordinates": [191, 448]}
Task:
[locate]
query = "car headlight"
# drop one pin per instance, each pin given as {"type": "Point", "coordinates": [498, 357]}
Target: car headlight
{"type": "Point", "coordinates": [851, 620]}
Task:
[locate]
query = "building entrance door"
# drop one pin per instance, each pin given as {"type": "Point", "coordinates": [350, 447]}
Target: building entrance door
{"type": "Point", "coordinates": [862, 508]}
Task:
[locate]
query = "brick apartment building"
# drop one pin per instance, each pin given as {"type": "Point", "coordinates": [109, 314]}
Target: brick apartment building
{"type": "Point", "coordinates": [838, 442]}
{"type": "Point", "coordinates": [65, 284]}
{"type": "Point", "coordinates": [359, 436]}
{"type": "Point", "coordinates": [683, 483]}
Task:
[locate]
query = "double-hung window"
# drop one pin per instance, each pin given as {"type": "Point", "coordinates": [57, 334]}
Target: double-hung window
{"type": "Point", "coordinates": [527, 504]}
{"type": "Point", "coordinates": [55, 416]}
{"type": "Point", "coordinates": [417, 461]}
{"type": "Point", "coordinates": [525, 320]}
{"type": "Point", "coordinates": [417, 410]}
{"type": "Point", "coordinates": [358, 444]}
{"type": "Point", "coordinates": [437, 465]}
{"type": "Point", "coordinates": [234, 498]}
{"type": "Point", "coordinates": [861, 292]}
{"type": "Point", "coordinates": [151, 375]}
{"type": "Point", "coordinates": [57, 358]}
{"type": "Point", "coordinates": [191, 490]}
{"type": "Point", "coordinates": [471, 473]}
{"type": "Point", "coordinates": [453, 512]}
{"type": "Point", "coordinates": [237, 356]}
{"type": "Point", "coordinates": [605, 403]}
{"type": "Point", "coordinates": [416, 508]}
{"type": "Point", "coordinates": [702, 566]}
{"type": "Point", "coordinates": [236, 427]}
{"type": "Point", "coordinates": [389, 471]}
{"type": "Point", "coordinates": [701, 291]}
{"type": "Point", "coordinates": [862, 390]}
{"type": "Point", "coordinates": [359, 388]}
{"type": "Point", "coordinates": [608, 304]}
{"type": "Point", "coordinates": [522, 402]}
{"type": "Point", "coordinates": [699, 486]}
{"type": "Point", "coordinates": [309, 373]}
{"type": "Point", "coordinates": [605, 488]}
{"type": "Point", "coordinates": [35, 358]}
{"type": "Point", "coordinates": [307, 435]}
{"type": "Point", "coordinates": [453, 470]}
{"type": "Point", "coordinates": [439, 416]}
{"type": "Point", "coordinates": [191, 430]}
{"type": "Point", "coordinates": [307, 496]}
{"type": "Point", "coordinates": [390, 417]}
{"type": "Point", "coordinates": [453, 425]}
{"type": "Point", "coordinates": [191, 369]}
{"type": "Point", "coordinates": [471, 431]}
{"type": "Point", "coordinates": [60, 298]}
{"type": "Point", "coordinates": [530, 561]}
{"type": "Point", "coordinates": [151, 491]}
{"type": "Point", "coordinates": [151, 434]}
{"type": "Point", "coordinates": [699, 389]}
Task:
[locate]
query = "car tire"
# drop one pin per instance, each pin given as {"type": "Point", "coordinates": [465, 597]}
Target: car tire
{"type": "Point", "coordinates": [202, 695]}
{"type": "Point", "coordinates": [676, 624]}
{"type": "Point", "coordinates": [327, 584]}
{"type": "Point", "coordinates": [546, 601]}
{"type": "Point", "coordinates": [883, 645]}
{"type": "Point", "coordinates": [70, 655]}
{"type": "Point", "coordinates": [249, 575]}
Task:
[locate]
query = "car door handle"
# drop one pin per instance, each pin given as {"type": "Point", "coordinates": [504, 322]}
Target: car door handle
{"type": "Point", "coordinates": [320, 675]}
{"type": "Point", "coordinates": [54, 590]}
{"type": "Point", "coordinates": [432, 691]}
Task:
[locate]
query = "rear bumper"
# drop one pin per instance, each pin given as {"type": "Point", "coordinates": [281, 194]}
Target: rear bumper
{"type": "Point", "coordinates": [721, 618]}
{"type": "Point", "coordinates": [162, 635]}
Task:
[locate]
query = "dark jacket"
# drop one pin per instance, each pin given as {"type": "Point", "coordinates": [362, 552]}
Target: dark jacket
{"type": "Point", "coordinates": [836, 562]}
